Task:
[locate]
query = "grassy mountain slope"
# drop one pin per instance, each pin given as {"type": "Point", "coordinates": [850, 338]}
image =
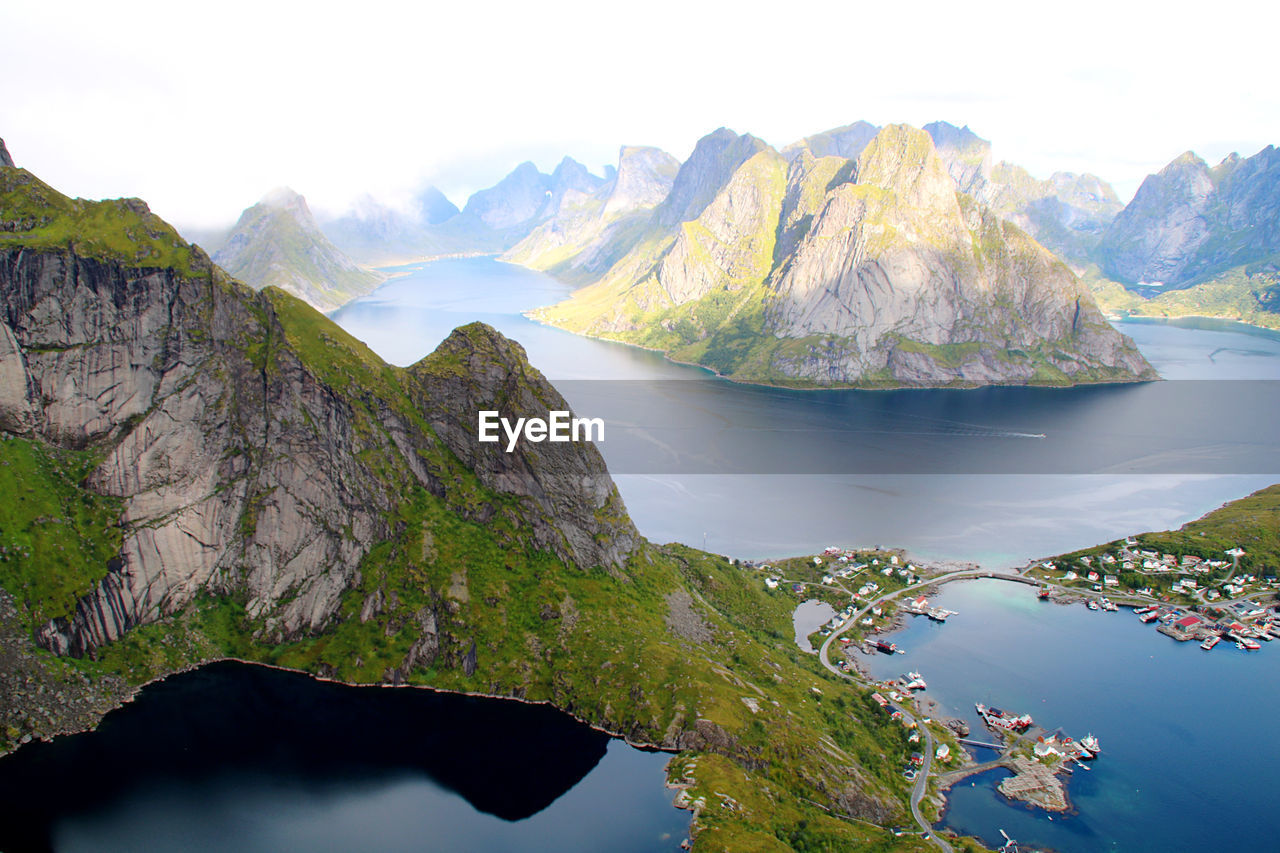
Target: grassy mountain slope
{"type": "Point", "coordinates": [461, 577]}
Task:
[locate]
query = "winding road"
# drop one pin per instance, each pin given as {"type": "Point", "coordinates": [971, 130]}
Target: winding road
{"type": "Point", "coordinates": [922, 778]}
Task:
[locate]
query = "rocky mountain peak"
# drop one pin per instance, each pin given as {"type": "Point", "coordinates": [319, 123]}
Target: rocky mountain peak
{"type": "Point", "coordinates": [643, 179]}
{"type": "Point", "coordinates": [477, 368]}
{"type": "Point", "coordinates": [5, 159]}
{"type": "Point", "coordinates": [432, 207]}
{"type": "Point", "coordinates": [714, 160]}
{"type": "Point", "coordinates": [902, 159]}
{"type": "Point", "coordinates": [284, 198]}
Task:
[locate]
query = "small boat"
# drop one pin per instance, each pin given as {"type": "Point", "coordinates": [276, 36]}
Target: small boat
{"type": "Point", "coordinates": [1149, 616]}
{"type": "Point", "coordinates": [1249, 644]}
{"type": "Point", "coordinates": [1210, 643]}
{"type": "Point", "coordinates": [1093, 605]}
{"type": "Point", "coordinates": [1043, 595]}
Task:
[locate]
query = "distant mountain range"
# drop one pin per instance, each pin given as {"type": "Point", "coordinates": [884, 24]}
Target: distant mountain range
{"type": "Point", "coordinates": [1199, 241]}
{"type": "Point", "coordinates": [1211, 232]}
{"type": "Point", "coordinates": [794, 268]}
{"type": "Point", "coordinates": [277, 242]}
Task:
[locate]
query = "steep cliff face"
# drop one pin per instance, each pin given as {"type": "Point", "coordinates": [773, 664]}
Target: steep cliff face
{"type": "Point", "coordinates": [1190, 222]}
{"type": "Point", "coordinates": [5, 159]}
{"type": "Point", "coordinates": [829, 271]}
{"type": "Point", "coordinates": [257, 449]}
{"type": "Point", "coordinates": [277, 243]}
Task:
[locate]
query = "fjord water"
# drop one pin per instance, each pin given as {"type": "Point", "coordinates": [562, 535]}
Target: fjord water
{"type": "Point", "coordinates": [1186, 758]}
{"type": "Point", "coordinates": [233, 757]}
{"type": "Point", "coordinates": [960, 475]}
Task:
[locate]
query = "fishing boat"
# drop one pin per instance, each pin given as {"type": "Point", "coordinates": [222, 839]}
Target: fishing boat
{"type": "Point", "coordinates": [1093, 605]}
{"type": "Point", "coordinates": [1090, 743]}
{"type": "Point", "coordinates": [1210, 643]}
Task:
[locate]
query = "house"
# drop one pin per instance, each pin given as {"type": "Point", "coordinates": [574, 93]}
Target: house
{"type": "Point", "coordinates": [771, 583]}
{"type": "Point", "coordinates": [880, 700]}
{"type": "Point", "coordinates": [1070, 576]}
{"type": "Point", "coordinates": [943, 752]}
{"type": "Point", "coordinates": [797, 588]}
{"type": "Point", "coordinates": [1107, 558]}
{"type": "Point", "coordinates": [917, 759]}
{"type": "Point", "coordinates": [1110, 580]}
{"type": "Point", "coordinates": [1093, 576]}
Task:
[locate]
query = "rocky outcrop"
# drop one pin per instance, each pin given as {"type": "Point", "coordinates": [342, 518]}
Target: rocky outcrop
{"type": "Point", "coordinates": [1189, 222]}
{"type": "Point", "coordinates": [5, 159]}
{"type": "Point", "coordinates": [576, 509]}
{"type": "Point", "coordinates": [277, 243]}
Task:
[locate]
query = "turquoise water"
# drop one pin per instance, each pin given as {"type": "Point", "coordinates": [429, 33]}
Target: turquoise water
{"type": "Point", "coordinates": [1187, 752]}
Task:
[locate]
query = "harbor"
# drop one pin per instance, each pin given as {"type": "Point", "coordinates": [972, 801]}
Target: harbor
{"type": "Point", "coordinates": [1075, 671]}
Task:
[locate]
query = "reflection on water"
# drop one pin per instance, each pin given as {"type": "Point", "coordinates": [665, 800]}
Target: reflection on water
{"type": "Point", "coordinates": [233, 757]}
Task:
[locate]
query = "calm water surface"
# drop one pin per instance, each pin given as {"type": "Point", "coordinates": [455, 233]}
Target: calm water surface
{"type": "Point", "coordinates": [950, 475]}
{"type": "Point", "coordinates": [1186, 755]}
{"type": "Point", "coordinates": [237, 758]}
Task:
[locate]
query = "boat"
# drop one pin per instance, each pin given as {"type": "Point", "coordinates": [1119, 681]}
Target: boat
{"type": "Point", "coordinates": [938, 614]}
{"type": "Point", "coordinates": [1210, 643]}
{"type": "Point", "coordinates": [1150, 616]}
{"type": "Point", "coordinates": [887, 648]}
{"type": "Point", "coordinates": [1093, 605]}
{"type": "Point", "coordinates": [997, 719]}
{"type": "Point", "coordinates": [1249, 644]}
{"type": "Point", "coordinates": [1151, 608]}
{"type": "Point", "coordinates": [1043, 595]}
{"type": "Point", "coordinates": [913, 681]}
{"type": "Point", "coordinates": [1090, 743]}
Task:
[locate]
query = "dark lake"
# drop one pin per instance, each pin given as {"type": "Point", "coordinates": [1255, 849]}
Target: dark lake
{"type": "Point", "coordinates": [234, 757]}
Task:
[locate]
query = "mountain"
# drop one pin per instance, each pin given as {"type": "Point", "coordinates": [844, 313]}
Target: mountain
{"type": "Point", "coordinates": [277, 242]}
{"type": "Point", "coordinates": [586, 237]}
{"type": "Point", "coordinates": [433, 208]}
{"type": "Point", "coordinates": [967, 155]}
{"type": "Point", "coordinates": [1188, 222]}
{"type": "Point", "coordinates": [198, 470]}
{"type": "Point", "coordinates": [847, 142]}
{"type": "Point", "coordinates": [824, 271]}
{"type": "Point", "coordinates": [1066, 213]}
{"type": "Point", "coordinates": [493, 219]}
{"type": "Point", "coordinates": [5, 159]}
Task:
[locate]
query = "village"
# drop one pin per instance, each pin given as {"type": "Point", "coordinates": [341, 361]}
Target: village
{"type": "Point", "coordinates": [1190, 597]}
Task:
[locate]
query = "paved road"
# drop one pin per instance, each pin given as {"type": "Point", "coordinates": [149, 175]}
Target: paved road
{"type": "Point", "coordinates": [922, 778]}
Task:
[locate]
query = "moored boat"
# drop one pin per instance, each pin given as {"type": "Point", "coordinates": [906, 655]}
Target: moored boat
{"type": "Point", "coordinates": [1210, 643]}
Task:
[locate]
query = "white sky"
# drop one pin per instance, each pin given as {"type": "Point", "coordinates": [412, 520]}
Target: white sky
{"type": "Point", "coordinates": [200, 109]}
